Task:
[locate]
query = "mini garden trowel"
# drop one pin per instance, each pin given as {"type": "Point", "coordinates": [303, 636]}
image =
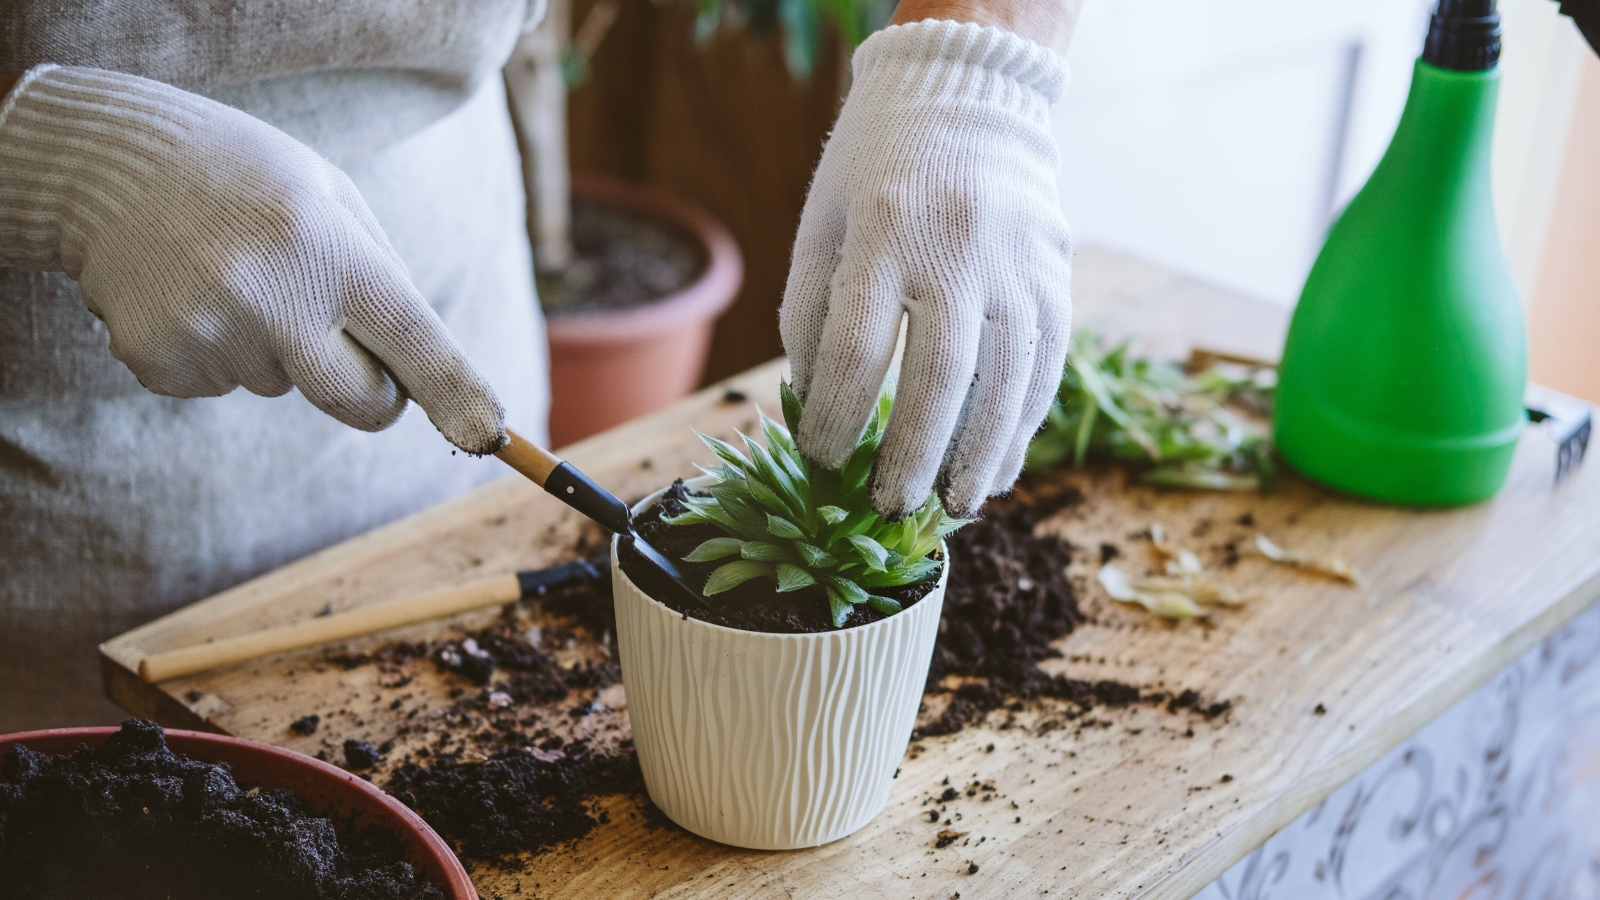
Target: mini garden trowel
{"type": "Point", "coordinates": [563, 480]}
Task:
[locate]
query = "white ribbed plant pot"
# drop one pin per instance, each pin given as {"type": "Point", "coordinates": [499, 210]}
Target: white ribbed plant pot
{"type": "Point", "coordinates": [770, 741]}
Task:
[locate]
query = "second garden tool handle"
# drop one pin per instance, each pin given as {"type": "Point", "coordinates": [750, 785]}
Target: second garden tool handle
{"type": "Point", "coordinates": [563, 480]}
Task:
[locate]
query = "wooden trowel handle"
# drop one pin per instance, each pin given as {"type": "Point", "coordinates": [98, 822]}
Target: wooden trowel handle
{"type": "Point", "coordinates": [563, 480]}
{"type": "Point", "coordinates": [529, 458]}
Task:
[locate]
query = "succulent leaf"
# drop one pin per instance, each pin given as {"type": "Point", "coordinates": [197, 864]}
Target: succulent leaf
{"type": "Point", "coordinates": [808, 527]}
{"type": "Point", "coordinates": [778, 526]}
{"type": "Point", "coordinates": [716, 548]}
{"type": "Point", "coordinates": [793, 578]}
{"type": "Point", "coordinates": [815, 557]}
{"type": "Point", "coordinates": [883, 604]}
{"type": "Point", "coordinates": [872, 552]}
{"type": "Point", "coordinates": [791, 406]}
{"type": "Point", "coordinates": [764, 551]}
{"type": "Point", "coordinates": [733, 574]}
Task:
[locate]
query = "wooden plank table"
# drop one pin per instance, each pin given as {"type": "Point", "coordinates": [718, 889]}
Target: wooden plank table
{"type": "Point", "coordinates": [1145, 802]}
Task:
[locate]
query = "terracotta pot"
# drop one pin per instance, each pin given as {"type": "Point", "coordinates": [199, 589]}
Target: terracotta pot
{"type": "Point", "coordinates": [770, 741]}
{"type": "Point", "coordinates": [328, 790]}
{"type": "Point", "coordinates": [608, 367]}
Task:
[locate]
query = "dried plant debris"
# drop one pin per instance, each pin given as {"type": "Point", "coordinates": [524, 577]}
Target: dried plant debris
{"type": "Point", "coordinates": [1331, 566]}
{"type": "Point", "coordinates": [1178, 594]}
{"type": "Point", "coordinates": [1168, 604]}
{"type": "Point", "coordinates": [1176, 560]}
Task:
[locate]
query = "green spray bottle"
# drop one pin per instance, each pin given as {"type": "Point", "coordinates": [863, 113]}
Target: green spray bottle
{"type": "Point", "coordinates": [1403, 373]}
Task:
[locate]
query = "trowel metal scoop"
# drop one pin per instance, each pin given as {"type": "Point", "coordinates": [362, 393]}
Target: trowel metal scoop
{"type": "Point", "coordinates": [563, 480]}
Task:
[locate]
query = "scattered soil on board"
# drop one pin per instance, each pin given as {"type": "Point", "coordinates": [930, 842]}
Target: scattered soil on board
{"type": "Point", "coordinates": [535, 735]}
{"type": "Point", "coordinates": [517, 764]}
{"type": "Point", "coordinates": [517, 801]}
{"type": "Point", "coordinates": [752, 606]}
{"type": "Point", "coordinates": [131, 819]}
{"type": "Point", "coordinates": [622, 259]}
{"type": "Point", "coordinates": [1008, 602]}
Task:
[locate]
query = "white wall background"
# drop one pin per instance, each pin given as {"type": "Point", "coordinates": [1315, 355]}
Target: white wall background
{"type": "Point", "coordinates": [1220, 137]}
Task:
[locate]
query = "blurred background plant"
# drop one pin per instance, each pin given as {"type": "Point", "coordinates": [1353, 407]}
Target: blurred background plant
{"type": "Point", "coordinates": [800, 25]}
{"type": "Point", "coordinates": [558, 55]}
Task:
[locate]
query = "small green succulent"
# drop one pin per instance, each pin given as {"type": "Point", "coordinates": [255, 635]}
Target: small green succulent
{"type": "Point", "coordinates": [805, 525]}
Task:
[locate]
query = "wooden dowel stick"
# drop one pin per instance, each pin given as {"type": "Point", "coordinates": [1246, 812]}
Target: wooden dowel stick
{"type": "Point", "coordinates": [336, 627]}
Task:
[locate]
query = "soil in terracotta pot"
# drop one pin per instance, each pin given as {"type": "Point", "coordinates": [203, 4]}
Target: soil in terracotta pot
{"type": "Point", "coordinates": [133, 820]}
{"type": "Point", "coordinates": [751, 606]}
{"type": "Point", "coordinates": [622, 259]}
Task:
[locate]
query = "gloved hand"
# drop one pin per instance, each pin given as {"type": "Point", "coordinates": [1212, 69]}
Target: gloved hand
{"type": "Point", "coordinates": [222, 252]}
{"type": "Point", "coordinates": [936, 198]}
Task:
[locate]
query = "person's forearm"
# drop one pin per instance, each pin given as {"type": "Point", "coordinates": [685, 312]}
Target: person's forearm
{"type": "Point", "coordinates": [7, 82]}
{"type": "Point", "coordinates": [1046, 22]}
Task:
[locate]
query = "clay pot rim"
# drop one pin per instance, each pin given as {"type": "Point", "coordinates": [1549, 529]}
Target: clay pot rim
{"type": "Point", "coordinates": [779, 637]}
{"type": "Point", "coordinates": [704, 298]}
{"type": "Point", "coordinates": [457, 885]}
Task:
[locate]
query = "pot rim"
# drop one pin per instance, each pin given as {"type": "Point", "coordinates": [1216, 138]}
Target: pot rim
{"type": "Point", "coordinates": [457, 884]}
{"type": "Point", "coordinates": [642, 505]}
{"type": "Point", "coordinates": [706, 297]}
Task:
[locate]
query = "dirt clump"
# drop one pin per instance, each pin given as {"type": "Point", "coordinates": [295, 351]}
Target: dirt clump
{"type": "Point", "coordinates": [517, 801]}
{"type": "Point", "coordinates": [133, 820]}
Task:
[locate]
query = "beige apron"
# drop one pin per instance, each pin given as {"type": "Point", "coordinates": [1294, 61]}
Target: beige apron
{"type": "Point", "coordinates": [117, 505]}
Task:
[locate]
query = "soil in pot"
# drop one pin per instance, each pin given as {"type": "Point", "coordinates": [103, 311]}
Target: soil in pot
{"type": "Point", "coordinates": [751, 606]}
{"type": "Point", "coordinates": [131, 819]}
{"type": "Point", "coordinates": [622, 259]}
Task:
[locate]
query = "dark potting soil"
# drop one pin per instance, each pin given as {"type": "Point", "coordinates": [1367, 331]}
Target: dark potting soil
{"type": "Point", "coordinates": [622, 259]}
{"type": "Point", "coordinates": [752, 606]}
{"type": "Point", "coordinates": [516, 801]}
{"type": "Point", "coordinates": [1008, 602]}
{"type": "Point", "coordinates": [530, 788]}
{"type": "Point", "coordinates": [133, 820]}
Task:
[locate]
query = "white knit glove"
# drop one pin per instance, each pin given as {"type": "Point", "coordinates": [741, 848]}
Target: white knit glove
{"type": "Point", "coordinates": [222, 252]}
{"type": "Point", "coordinates": [936, 198]}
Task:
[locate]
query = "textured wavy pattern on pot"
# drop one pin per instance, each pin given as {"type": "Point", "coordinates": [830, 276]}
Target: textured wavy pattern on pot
{"type": "Point", "coordinates": [770, 741]}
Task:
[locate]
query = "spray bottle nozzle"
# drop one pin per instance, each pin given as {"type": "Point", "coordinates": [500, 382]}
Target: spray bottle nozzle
{"type": "Point", "coordinates": [1463, 35]}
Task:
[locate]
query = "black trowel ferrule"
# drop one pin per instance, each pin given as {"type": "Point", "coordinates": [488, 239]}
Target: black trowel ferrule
{"type": "Point", "coordinates": [576, 490]}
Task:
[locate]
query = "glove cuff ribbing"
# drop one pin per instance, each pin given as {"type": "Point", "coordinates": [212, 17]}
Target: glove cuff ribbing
{"type": "Point", "coordinates": [953, 58]}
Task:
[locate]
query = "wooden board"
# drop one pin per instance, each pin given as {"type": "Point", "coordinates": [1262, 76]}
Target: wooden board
{"type": "Point", "coordinates": [1143, 802]}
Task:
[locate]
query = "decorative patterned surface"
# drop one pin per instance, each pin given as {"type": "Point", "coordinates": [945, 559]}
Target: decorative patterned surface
{"type": "Point", "coordinates": [1497, 799]}
{"type": "Point", "coordinates": [770, 741]}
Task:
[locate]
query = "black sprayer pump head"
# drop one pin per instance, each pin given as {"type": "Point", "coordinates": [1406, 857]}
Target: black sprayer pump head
{"type": "Point", "coordinates": [1586, 13]}
{"type": "Point", "coordinates": [1463, 35]}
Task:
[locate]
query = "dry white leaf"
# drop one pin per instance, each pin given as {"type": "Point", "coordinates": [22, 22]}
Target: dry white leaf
{"type": "Point", "coordinates": [1197, 588]}
{"type": "Point", "coordinates": [1332, 566]}
{"type": "Point", "coordinates": [1167, 604]}
{"type": "Point", "coordinates": [1178, 560]}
